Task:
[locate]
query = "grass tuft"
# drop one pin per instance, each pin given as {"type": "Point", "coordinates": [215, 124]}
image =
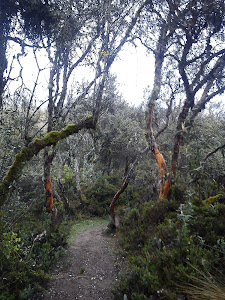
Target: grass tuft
{"type": "Point", "coordinates": [205, 287]}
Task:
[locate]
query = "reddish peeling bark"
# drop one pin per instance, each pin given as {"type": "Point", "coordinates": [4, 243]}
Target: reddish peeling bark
{"type": "Point", "coordinates": [48, 183]}
{"type": "Point", "coordinates": [158, 155]}
{"type": "Point", "coordinates": [28, 152]}
{"type": "Point", "coordinates": [166, 188]}
{"type": "Point", "coordinates": [48, 193]}
{"type": "Point", "coordinates": [159, 58]}
{"type": "Point", "coordinates": [162, 169]}
{"type": "Point", "coordinates": [178, 142]}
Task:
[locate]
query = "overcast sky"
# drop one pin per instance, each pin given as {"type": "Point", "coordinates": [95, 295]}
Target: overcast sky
{"type": "Point", "coordinates": [135, 71]}
{"type": "Point", "coordinates": [133, 68]}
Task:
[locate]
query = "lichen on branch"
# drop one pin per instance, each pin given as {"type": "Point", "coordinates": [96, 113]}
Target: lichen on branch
{"type": "Point", "coordinates": [28, 152]}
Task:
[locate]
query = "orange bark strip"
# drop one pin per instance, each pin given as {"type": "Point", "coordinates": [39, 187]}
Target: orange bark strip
{"type": "Point", "coordinates": [162, 168]}
{"type": "Point", "coordinates": [160, 161]}
{"type": "Point", "coordinates": [155, 150]}
{"type": "Point", "coordinates": [166, 189]}
{"type": "Point", "coordinates": [48, 193]}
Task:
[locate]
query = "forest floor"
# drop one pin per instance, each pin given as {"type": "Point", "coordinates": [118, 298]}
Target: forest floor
{"type": "Point", "coordinates": [89, 270]}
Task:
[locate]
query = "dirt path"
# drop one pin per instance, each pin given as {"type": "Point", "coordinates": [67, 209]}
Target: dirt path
{"type": "Point", "coordinates": [90, 271]}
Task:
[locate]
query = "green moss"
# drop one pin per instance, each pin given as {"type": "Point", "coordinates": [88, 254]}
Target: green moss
{"type": "Point", "coordinates": [27, 153]}
{"type": "Point", "coordinates": [70, 127]}
{"type": "Point", "coordinates": [52, 137]}
{"type": "Point", "coordinates": [13, 171]}
{"type": "Point", "coordinates": [19, 157]}
{"type": "Point", "coordinates": [68, 130]}
{"type": "Point", "coordinates": [38, 142]}
{"type": "Point", "coordinates": [210, 200]}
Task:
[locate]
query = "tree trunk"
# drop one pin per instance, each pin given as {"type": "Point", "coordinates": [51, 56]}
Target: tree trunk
{"type": "Point", "coordinates": [67, 205]}
{"type": "Point", "coordinates": [159, 58]}
{"type": "Point", "coordinates": [3, 61]}
{"type": "Point", "coordinates": [112, 222]}
{"type": "Point", "coordinates": [79, 189]}
{"type": "Point", "coordinates": [155, 150]}
{"type": "Point", "coordinates": [47, 180]}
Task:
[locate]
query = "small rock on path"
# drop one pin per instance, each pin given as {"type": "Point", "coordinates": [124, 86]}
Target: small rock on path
{"type": "Point", "coordinates": [90, 272]}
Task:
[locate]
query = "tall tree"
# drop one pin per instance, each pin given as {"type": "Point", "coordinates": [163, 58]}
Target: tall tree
{"type": "Point", "coordinates": [189, 43]}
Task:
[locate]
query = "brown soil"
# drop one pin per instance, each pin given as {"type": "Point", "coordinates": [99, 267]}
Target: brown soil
{"type": "Point", "coordinates": [89, 271]}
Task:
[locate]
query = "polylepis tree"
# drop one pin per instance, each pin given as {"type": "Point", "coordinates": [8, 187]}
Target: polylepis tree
{"type": "Point", "coordinates": [103, 33]}
{"type": "Point", "coordinates": [189, 45]}
{"type": "Point", "coordinates": [103, 44]}
{"type": "Point", "coordinates": [187, 65]}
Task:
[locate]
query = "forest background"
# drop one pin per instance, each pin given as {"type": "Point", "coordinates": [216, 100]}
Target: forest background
{"type": "Point", "coordinates": [72, 148]}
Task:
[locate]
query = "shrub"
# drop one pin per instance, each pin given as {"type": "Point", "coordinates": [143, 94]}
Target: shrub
{"type": "Point", "coordinates": [28, 250]}
{"type": "Point", "coordinates": [167, 243]}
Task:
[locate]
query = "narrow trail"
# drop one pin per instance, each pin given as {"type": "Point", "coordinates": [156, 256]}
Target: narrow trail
{"type": "Point", "coordinates": [90, 270]}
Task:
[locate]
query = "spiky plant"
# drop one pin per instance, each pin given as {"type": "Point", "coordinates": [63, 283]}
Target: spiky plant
{"type": "Point", "coordinates": [205, 287]}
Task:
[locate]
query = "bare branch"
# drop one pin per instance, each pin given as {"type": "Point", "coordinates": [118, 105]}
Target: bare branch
{"type": "Point", "coordinates": [39, 130]}
{"type": "Point", "coordinates": [22, 43]}
{"type": "Point", "coordinates": [219, 65]}
{"type": "Point", "coordinates": [214, 151]}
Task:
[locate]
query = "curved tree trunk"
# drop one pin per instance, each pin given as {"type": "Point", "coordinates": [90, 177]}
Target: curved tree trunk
{"type": "Point", "coordinates": [112, 222]}
{"type": "Point", "coordinates": [159, 58]}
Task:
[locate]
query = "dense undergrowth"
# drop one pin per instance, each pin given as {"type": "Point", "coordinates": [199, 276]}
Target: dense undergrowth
{"type": "Point", "coordinates": [175, 248]}
{"type": "Point", "coordinates": [29, 249]}
{"type": "Point", "coordinates": [172, 248]}
{"type": "Point", "coordinates": [32, 240]}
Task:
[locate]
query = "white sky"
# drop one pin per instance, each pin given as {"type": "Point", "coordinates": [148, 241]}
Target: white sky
{"type": "Point", "coordinates": [135, 71]}
{"type": "Point", "coordinates": [133, 68]}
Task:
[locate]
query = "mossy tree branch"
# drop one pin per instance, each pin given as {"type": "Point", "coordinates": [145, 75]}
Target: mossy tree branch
{"type": "Point", "coordinates": [28, 152]}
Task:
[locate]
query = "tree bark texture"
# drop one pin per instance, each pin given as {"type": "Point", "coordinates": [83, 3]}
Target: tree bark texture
{"type": "Point", "coordinates": [112, 223]}
{"type": "Point", "coordinates": [159, 58]}
{"type": "Point", "coordinates": [47, 178]}
{"type": "Point", "coordinates": [67, 205]}
{"type": "Point", "coordinates": [158, 155]}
